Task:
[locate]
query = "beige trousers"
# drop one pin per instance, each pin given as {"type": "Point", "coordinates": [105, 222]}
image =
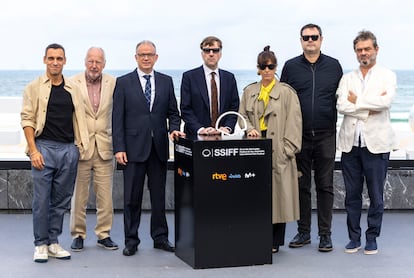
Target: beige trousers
{"type": "Point", "coordinates": [99, 173]}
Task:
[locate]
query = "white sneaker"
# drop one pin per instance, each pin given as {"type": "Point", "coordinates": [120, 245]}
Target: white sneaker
{"type": "Point", "coordinates": [55, 250]}
{"type": "Point", "coordinates": [40, 254]}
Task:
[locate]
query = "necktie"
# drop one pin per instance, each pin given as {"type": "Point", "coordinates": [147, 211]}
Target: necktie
{"type": "Point", "coordinates": [147, 91]}
{"type": "Point", "coordinates": [214, 100]}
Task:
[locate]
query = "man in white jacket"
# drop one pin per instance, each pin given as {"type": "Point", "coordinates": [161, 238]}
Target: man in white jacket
{"type": "Point", "coordinates": [365, 139]}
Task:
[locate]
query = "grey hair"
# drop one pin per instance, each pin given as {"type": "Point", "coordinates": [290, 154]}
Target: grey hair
{"type": "Point", "coordinates": [146, 42]}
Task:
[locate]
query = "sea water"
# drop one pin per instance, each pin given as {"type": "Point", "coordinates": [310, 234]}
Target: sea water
{"type": "Point", "coordinates": [12, 83]}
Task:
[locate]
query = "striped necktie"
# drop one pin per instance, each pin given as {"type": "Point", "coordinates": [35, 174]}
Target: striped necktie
{"type": "Point", "coordinates": [147, 91]}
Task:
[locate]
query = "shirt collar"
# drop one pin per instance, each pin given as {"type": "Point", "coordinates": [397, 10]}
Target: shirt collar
{"type": "Point", "coordinates": [208, 71]}
{"type": "Point", "coordinates": [369, 72]}
{"type": "Point", "coordinates": [141, 73]}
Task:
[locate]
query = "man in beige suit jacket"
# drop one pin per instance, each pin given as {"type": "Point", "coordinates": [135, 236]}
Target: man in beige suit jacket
{"type": "Point", "coordinates": [97, 89]}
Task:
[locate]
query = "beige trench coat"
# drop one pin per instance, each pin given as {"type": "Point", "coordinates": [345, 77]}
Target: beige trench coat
{"type": "Point", "coordinates": [284, 127]}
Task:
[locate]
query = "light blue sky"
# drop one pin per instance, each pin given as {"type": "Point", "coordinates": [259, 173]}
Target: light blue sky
{"type": "Point", "coordinates": [178, 26]}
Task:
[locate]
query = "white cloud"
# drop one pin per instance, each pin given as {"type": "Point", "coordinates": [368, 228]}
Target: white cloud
{"type": "Point", "coordinates": [177, 27]}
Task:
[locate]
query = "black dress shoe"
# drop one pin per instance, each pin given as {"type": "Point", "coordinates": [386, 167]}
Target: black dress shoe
{"type": "Point", "coordinates": [325, 243]}
{"type": "Point", "coordinates": [164, 245]}
{"type": "Point", "coordinates": [77, 244]}
{"type": "Point", "coordinates": [300, 240]}
{"type": "Point", "coordinates": [129, 251]}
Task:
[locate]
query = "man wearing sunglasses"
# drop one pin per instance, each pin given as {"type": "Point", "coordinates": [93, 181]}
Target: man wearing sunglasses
{"type": "Point", "coordinates": [207, 92]}
{"type": "Point", "coordinates": [315, 77]}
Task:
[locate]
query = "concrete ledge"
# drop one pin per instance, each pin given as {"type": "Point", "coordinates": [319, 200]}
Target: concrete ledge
{"type": "Point", "coordinates": [16, 190]}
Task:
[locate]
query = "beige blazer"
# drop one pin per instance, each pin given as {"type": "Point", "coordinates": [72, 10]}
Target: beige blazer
{"type": "Point", "coordinates": [35, 100]}
{"type": "Point", "coordinates": [100, 123]}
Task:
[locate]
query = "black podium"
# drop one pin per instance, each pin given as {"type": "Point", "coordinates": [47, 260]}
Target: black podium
{"type": "Point", "coordinates": [223, 206]}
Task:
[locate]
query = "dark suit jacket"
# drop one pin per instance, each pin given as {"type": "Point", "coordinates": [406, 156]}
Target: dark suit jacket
{"type": "Point", "coordinates": [134, 127]}
{"type": "Point", "coordinates": [195, 103]}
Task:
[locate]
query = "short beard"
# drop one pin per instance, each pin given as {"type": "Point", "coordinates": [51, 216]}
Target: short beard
{"type": "Point", "coordinates": [93, 79]}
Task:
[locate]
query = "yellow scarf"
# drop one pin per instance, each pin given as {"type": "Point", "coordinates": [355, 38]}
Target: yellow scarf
{"type": "Point", "coordinates": [265, 96]}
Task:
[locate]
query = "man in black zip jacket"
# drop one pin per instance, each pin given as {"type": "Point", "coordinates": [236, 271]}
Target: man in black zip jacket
{"type": "Point", "coordinates": [315, 77]}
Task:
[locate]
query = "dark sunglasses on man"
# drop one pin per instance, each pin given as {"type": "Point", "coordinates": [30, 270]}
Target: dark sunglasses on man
{"type": "Point", "coordinates": [313, 37]}
{"type": "Point", "coordinates": [208, 50]}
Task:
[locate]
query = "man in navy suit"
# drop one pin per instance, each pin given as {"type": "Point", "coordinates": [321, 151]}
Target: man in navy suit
{"type": "Point", "coordinates": [196, 93]}
{"type": "Point", "coordinates": [143, 102]}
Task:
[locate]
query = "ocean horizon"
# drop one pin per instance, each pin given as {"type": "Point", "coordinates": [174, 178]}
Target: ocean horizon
{"type": "Point", "coordinates": [13, 82]}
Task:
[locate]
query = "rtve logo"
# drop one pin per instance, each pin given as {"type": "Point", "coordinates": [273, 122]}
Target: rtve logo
{"type": "Point", "coordinates": [217, 176]}
{"type": "Point", "coordinates": [224, 177]}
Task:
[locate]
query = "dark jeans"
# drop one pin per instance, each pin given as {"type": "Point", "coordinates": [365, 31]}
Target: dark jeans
{"type": "Point", "coordinates": [53, 189]}
{"type": "Point", "coordinates": [357, 165]}
{"type": "Point", "coordinates": [318, 153]}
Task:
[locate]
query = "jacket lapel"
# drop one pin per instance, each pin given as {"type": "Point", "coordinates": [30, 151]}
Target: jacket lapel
{"type": "Point", "coordinates": [158, 90]}
{"type": "Point", "coordinates": [202, 87]}
{"type": "Point", "coordinates": [274, 94]}
{"type": "Point", "coordinates": [105, 83]}
{"type": "Point", "coordinates": [136, 83]}
{"type": "Point", "coordinates": [222, 89]}
{"type": "Point", "coordinates": [85, 95]}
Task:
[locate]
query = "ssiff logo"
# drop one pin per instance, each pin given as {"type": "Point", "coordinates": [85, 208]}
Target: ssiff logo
{"type": "Point", "coordinates": [183, 173]}
{"type": "Point", "coordinates": [225, 152]}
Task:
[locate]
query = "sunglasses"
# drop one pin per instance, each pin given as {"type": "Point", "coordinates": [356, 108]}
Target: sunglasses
{"type": "Point", "coordinates": [313, 37]}
{"type": "Point", "coordinates": [208, 50]}
{"type": "Point", "coordinates": [263, 67]}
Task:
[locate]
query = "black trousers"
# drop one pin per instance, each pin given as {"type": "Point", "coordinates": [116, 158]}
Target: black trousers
{"type": "Point", "coordinates": [134, 177]}
{"type": "Point", "coordinates": [279, 230]}
{"type": "Point", "coordinates": [318, 153]}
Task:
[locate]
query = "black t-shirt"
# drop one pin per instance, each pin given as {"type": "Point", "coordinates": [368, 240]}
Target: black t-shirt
{"type": "Point", "coordinates": [59, 116]}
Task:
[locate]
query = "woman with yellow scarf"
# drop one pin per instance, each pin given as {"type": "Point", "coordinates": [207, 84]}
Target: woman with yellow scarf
{"type": "Point", "coordinates": [272, 110]}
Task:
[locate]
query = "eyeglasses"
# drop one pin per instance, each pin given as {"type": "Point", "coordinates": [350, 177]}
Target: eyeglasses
{"type": "Point", "coordinates": [270, 66]}
{"type": "Point", "coordinates": [208, 50]}
{"type": "Point", "coordinates": [143, 55]}
{"type": "Point", "coordinates": [313, 37]}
